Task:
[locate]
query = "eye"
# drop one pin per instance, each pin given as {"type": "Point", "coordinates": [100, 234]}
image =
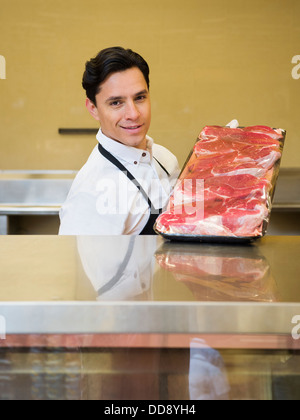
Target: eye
{"type": "Point", "coordinates": [140, 98]}
{"type": "Point", "coordinates": [115, 104]}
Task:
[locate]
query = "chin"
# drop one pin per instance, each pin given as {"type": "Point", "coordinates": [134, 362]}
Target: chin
{"type": "Point", "coordinates": [135, 142]}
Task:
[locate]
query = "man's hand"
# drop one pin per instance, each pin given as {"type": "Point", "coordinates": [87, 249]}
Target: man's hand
{"type": "Point", "coordinates": [233, 124]}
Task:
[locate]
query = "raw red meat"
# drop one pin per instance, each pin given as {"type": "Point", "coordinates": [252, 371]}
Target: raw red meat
{"type": "Point", "coordinates": [237, 166]}
{"type": "Point", "coordinates": [254, 135]}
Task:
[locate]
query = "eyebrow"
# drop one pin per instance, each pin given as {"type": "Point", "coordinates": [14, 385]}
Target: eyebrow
{"type": "Point", "coordinates": [118, 98]}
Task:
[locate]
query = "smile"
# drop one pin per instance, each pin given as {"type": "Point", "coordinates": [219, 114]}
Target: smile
{"type": "Point", "coordinates": [132, 128]}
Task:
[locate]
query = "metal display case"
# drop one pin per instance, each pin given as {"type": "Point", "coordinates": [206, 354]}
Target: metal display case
{"type": "Point", "coordinates": [114, 318]}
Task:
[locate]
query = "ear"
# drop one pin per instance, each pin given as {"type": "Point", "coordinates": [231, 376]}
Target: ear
{"type": "Point", "coordinates": [91, 107]}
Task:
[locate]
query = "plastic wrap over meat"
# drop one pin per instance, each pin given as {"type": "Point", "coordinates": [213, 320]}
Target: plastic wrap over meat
{"type": "Point", "coordinates": [227, 185]}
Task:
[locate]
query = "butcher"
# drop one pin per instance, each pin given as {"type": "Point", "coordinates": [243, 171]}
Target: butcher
{"type": "Point", "coordinates": [128, 178]}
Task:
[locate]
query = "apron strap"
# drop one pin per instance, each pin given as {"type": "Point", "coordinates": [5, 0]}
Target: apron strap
{"type": "Point", "coordinates": [162, 166]}
{"type": "Point", "coordinates": [122, 168]}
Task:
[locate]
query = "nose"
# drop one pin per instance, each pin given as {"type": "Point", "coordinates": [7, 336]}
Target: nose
{"type": "Point", "coordinates": [131, 111]}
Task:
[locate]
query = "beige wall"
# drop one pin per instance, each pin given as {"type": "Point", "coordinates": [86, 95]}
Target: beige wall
{"type": "Point", "coordinates": [211, 61]}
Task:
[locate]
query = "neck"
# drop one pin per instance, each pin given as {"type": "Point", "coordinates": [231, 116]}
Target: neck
{"type": "Point", "coordinates": [142, 145]}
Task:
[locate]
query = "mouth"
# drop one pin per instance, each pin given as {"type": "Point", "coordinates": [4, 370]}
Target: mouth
{"type": "Point", "coordinates": [132, 128]}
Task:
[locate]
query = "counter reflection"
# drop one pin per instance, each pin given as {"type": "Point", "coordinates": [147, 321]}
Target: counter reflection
{"type": "Point", "coordinates": [207, 373]}
{"type": "Point", "coordinates": [144, 268]}
{"type": "Point", "coordinates": [124, 274]}
{"type": "Point", "coordinates": [119, 274]}
{"type": "Point", "coordinates": [220, 273]}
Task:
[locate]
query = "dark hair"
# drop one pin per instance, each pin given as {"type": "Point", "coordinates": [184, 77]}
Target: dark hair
{"type": "Point", "coordinates": [107, 62]}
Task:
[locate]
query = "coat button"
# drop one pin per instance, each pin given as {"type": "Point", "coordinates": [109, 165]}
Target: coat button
{"type": "Point", "coordinates": [135, 163]}
{"type": "Point", "coordinates": [144, 154]}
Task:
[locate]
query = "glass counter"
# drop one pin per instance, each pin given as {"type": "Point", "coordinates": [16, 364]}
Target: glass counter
{"type": "Point", "coordinates": [139, 318]}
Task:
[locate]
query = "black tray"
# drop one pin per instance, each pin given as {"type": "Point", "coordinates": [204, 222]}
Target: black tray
{"type": "Point", "coordinates": [209, 239]}
{"type": "Point", "coordinates": [249, 251]}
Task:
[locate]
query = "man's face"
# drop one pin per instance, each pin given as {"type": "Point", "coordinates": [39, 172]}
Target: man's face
{"type": "Point", "coordinates": [123, 108]}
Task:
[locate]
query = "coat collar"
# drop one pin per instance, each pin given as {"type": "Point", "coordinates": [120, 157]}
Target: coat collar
{"type": "Point", "coordinates": [126, 153]}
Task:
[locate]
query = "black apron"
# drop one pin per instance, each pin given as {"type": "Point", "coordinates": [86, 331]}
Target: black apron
{"type": "Point", "coordinates": [154, 213]}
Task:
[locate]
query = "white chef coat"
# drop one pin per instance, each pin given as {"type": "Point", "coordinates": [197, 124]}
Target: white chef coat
{"type": "Point", "coordinates": [103, 201]}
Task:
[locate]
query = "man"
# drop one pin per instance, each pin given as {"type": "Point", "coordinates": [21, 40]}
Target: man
{"type": "Point", "coordinates": [127, 180]}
